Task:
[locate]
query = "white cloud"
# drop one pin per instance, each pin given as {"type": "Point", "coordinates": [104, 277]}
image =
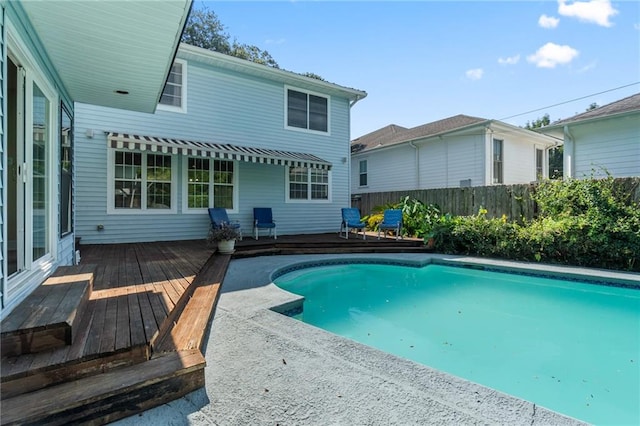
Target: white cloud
{"type": "Point", "coordinates": [510, 60]}
{"type": "Point", "coordinates": [475, 74]}
{"type": "Point", "coordinates": [551, 54]}
{"type": "Point", "coordinates": [548, 21]}
{"type": "Point", "coordinates": [593, 11]}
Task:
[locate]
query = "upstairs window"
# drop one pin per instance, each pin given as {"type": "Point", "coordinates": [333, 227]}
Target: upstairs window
{"type": "Point", "coordinates": [539, 164]}
{"type": "Point", "coordinates": [307, 111]}
{"type": "Point", "coordinates": [174, 94]}
{"type": "Point", "coordinates": [498, 160]}
{"type": "Point", "coordinates": [363, 173]}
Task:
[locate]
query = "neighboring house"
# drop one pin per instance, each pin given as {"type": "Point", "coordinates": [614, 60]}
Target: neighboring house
{"type": "Point", "coordinates": [458, 151]}
{"type": "Point", "coordinates": [227, 133]}
{"type": "Point", "coordinates": [603, 140]}
{"type": "Point", "coordinates": [54, 54]}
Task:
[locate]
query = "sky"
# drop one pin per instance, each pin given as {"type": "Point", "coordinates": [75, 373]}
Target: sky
{"type": "Point", "coordinates": [422, 61]}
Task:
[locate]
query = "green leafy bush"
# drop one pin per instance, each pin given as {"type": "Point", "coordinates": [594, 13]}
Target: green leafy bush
{"type": "Point", "coordinates": [588, 222]}
{"type": "Point", "coordinates": [418, 218]}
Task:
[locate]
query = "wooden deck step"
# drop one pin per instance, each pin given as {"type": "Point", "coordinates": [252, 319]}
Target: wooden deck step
{"type": "Point", "coordinates": [48, 317]}
{"type": "Point", "coordinates": [107, 397]}
{"type": "Point", "coordinates": [188, 332]}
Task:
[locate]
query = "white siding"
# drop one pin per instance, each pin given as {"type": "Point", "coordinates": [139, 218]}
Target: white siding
{"type": "Point", "coordinates": [387, 170]}
{"type": "Point", "coordinates": [613, 145]}
{"type": "Point", "coordinates": [452, 159]}
{"type": "Point", "coordinates": [223, 107]}
{"type": "Point", "coordinates": [519, 162]}
{"type": "Point", "coordinates": [442, 163]}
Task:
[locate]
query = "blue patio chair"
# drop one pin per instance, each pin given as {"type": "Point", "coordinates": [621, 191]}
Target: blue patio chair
{"type": "Point", "coordinates": [391, 221]}
{"type": "Point", "coordinates": [218, 216]}
{"type": "Point", "coordinates": [263, 219]}
{"type": "Point", "coordinates": [351, 220]}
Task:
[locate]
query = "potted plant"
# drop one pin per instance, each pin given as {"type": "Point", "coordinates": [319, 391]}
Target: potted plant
{"type": "Point", "coordinates": [224, 236]}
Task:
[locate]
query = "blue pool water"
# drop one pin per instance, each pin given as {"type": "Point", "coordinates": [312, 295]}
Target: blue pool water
{"type": "Point", "coordinates": [572, 347]}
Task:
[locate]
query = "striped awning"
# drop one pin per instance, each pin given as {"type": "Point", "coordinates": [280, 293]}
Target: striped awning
{"type": "Point", "coordinates": [215, 150]}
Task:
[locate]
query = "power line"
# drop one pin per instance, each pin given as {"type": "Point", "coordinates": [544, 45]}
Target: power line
{"type": "Point", "coordinates": [572, 100]}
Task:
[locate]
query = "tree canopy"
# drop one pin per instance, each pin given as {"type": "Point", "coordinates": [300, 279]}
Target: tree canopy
{"type": "Point", "coordinates": [540, 122]}
{"type": "Point", "coordinates": [205, 30]}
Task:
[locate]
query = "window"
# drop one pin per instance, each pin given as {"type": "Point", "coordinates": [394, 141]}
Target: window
{"type": "Point", "coordinates": [307, 111]}
{"type": "Point", "coordinates": [210, 183]}
{"type": "Point", "coordinates": [539, 164]}
{"type": "Point", "coordinates": [308, 184]}
{"type": "Point", "coordinates": [498, 160]}
{"type": "Point", "coordinates": [143, 181]}
{"type": "Point", "coordinates": [363, 173]}
{"type": "Point", "coordinates": [174, 94]}
{"type": "Point", "coordinates": [66, 171]}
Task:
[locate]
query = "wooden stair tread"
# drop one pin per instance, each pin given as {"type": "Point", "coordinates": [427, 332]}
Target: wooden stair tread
{"type": "Point", "coordinates": [188, 332]}
{"type": "Point", "coordinates": [81, 399]}
{"type": "Point", "coordinates": [49, 316]}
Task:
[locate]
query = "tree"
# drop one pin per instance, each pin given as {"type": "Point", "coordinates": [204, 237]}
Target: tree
{"type": "Point", "coordinates": [556, 162]}
{"type": "Point", "coordinates": [555, 154]}
{"type": "Point", "coordinates": [592, 106]}
{"type": "Point", "coordinates": [205, 30]}
{"type": "Point", "coordinates": [540, 122]}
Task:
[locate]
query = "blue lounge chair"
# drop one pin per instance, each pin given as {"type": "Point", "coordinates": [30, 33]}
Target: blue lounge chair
{"type": "Point", "coordinates": [391, 221]}
{"type": "Point", "coordinates": [263, 219]}
{"type": "Point", "coordinates": [351, 220]}
{"type": "Point", "coordinates": [218, 216]}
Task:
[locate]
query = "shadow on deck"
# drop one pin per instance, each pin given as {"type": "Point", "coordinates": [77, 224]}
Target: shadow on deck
{"type": "Point", "coordinates": [130, 339]}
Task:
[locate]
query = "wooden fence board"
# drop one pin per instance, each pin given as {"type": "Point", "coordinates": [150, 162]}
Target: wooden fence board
{"type": "Point", "coordinates": [514, 201]}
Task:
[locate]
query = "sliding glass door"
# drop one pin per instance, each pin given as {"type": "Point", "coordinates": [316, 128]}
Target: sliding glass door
{"type": "Point", "coordinates": [30, 175]}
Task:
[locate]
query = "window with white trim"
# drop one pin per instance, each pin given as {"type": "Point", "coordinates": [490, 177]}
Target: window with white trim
{"type": "Point", "coordinates": [174, 95]}
{"type": "Point", "coordinates": [307, 110]}
{"type": "Point", "coordinates": [498, 161]}
{"type": "Point", "coordinates": [308, 184]}
{"type": "Point", "coordinates": [142, 181]}
{"type": "Point", "coordinates": [363, 172]}
{"type": "Point", "coordinates": [539, 164]}
{"type": "Point", "coordinates": [210, 183]}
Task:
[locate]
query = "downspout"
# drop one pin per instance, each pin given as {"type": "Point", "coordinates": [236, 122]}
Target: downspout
{"type": "Point", "coordinates": [568, 162]}
{"type": "Point", "coordinates": [417, 167]}
{"type": "Point", "coordinates": [348, 157]}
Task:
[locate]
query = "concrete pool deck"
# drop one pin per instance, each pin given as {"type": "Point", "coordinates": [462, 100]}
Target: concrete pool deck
{"type": "Point", "coordinates": [264, 368]}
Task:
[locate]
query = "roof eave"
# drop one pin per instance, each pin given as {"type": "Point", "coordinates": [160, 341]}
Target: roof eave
{"type": "Point", "coordinates": [562, 124]}
{"type": "Point", "coordinates": [187, 51]}
{"type": "Point", "coordinates": [100, 48]}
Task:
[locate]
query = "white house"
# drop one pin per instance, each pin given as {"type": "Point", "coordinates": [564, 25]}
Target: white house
{"type": "Point", "coordinates": [603, 140]}
{"type": "Point", "coordinates": [54, 54]}
{"type": "Point", "coordinates": [453, 152]}
{"type": "Point", "coordinates": [227, 133]}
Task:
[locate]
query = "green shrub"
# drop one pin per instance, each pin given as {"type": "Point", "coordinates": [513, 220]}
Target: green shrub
{"type": "Point", "coordinates": [586, 222]}
{"type": "Point", "coordinates": [418, 218]}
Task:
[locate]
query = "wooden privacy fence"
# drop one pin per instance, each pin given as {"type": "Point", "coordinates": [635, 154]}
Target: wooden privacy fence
{"type": "Point", "coordinates": [514, 201]}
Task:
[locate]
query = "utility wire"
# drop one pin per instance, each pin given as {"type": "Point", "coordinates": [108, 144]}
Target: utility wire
{"type": "Point", "coordinates": [572, 100]}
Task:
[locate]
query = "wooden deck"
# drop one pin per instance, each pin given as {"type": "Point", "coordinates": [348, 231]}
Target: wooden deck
{"type": "Point", "coordinates": [136, 343]}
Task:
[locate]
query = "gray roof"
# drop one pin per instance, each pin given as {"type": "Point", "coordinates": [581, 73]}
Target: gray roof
{"type": "Point", "coordinates": [393, 134]}
{"type": "Point", "coordinates": [629, 104]}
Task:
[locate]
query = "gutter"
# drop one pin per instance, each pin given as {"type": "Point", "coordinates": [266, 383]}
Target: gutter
{"type": "Point", "coordinates": [353, 102]}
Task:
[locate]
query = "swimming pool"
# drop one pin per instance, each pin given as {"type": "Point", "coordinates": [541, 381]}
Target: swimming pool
{"type": "Point", "coordinates": [570, 346]}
